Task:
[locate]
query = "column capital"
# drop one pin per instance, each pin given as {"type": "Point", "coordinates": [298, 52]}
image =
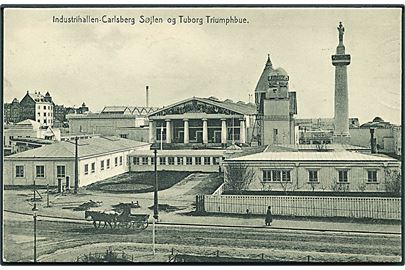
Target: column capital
{"type": "Point", "coordinates": [204, 119]}
{"type": "Point", "coordinates": [185, 120]}
{"type": "Point", "coordinates": [223, 119]}
{"type": "Point", "coordinates": [168, 120]}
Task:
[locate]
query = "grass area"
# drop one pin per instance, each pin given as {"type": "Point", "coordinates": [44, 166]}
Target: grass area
{"type": "Point", "coordinates": [135, 182]}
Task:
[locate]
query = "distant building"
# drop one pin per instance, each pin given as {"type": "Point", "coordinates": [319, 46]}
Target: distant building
{"type": "Point", "coordinates": [28, 134]}
{"type": "Point", "coordinates": [99, 158]}
{"type": "Point", "coordinates": [316, 170]}
{"type": "Point", "coordinates": [122, 121]}
{"type": "Point", "coordinates": [36, 107]}
{"type": "Point", "coordinates": [388, 136]}
{"type": "Point", "coordinates": [12, 112]}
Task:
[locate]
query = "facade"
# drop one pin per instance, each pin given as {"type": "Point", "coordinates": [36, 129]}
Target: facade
{"type": "Point", "coordinates": [36, 107]}
{"type": "Point", "coordinates": [276, 107]}
{"type": "Point", "coordinates": [316, 170]}
{"type": "Point", "coordinates": [177, 160]}
{"type": "Point", "coordinates": [341, 60]}
{"type": "Point", "coordinates": [202, 121]}
{"type": "Point", "coordinates": [12, 112]}
{"type": "Point", "coordinates": [99, 158]}
{"type": "Point", "coordinates": [28, 134]}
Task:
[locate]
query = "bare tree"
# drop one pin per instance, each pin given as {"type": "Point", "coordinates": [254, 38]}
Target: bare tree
{"type": "Point", "coordinates": [393, 181]}
{"type": "Point", "coordinates": [238, 177]}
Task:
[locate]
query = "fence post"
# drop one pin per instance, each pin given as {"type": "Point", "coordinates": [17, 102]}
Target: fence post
{"type": "Point", "coordinates": [308, 258]}
{"type": "Point", "coordinates": [217, 252]}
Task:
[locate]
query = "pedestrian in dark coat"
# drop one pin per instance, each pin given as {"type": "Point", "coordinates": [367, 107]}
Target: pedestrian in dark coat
{"type": "Point", "coordinates": [269, 217]}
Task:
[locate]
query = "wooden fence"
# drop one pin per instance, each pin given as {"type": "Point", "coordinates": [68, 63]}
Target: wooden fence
{"type": "Point", "coordinates": [306, 206]}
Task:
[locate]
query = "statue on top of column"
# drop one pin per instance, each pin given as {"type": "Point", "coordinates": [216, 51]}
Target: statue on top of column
{"type": "Point", "coordinates": [341, 30]}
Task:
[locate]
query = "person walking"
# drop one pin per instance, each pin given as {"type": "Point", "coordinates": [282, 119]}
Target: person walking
{"type": "Point", "coordinates": [269, 217]}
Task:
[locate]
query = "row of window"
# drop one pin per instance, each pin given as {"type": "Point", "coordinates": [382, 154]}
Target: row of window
{"type": "Point", "coordinates": [176, 160]}
{"type": "Point", "coordinates": [39, 171]}
{"type": "Point", "coordinates": [39, 107]}
{"type": "Point", "coordinates": [285, 176]}
{"type": "Point", "coordinates": [104, 164]}
{"type": "Point", "coordinates": [49, 114]}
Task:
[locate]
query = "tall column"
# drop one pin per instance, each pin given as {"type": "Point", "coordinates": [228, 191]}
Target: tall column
{"type": "Point", "coordinates": [186, 132]}
{"type": "Point", "coordinates": [341, 60]}
{"type": "Point", "coordinates": [168, 131]}
{"type": "Point", "coordinates": [205, 131]}
{"type": "Point", "coordinates": [242, 130]}
{"type": "Point", "coordinates": [223, 131]}
{"type": "Point", "coordinates": [152, 131]}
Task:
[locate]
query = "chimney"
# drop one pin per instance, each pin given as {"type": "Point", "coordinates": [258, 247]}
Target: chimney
{"type": "Point", "coordinates": [373, 141]}
{"type": "Point", "coordinates": [147, 96]}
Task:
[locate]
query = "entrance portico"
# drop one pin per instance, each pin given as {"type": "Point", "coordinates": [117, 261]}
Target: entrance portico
{"type": "Point", "coordinates": [196, 121]}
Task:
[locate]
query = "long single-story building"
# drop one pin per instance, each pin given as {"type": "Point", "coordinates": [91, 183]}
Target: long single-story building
{"type": "Point", "coordinates": [99, 158]}
{"type": "Point", "coordinates": [177, 160]}
{"type": "Point", "coordinates": [320, 171]}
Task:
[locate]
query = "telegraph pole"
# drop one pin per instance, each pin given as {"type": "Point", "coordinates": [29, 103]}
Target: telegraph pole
{"type": "Point", "coordinates": [76, 166]}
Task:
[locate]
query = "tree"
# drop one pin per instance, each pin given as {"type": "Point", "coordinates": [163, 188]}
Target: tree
{"type": "Point", "coordinates": [393, 181]}
{"type": "Point", "coordinates": [238, 177]}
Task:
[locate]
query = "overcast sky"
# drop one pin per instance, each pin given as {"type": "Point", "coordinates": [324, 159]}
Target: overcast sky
{"type": "Point", "coordinates": [110, 64]}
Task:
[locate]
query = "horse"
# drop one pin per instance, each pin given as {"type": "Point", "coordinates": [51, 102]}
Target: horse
{"type": "Point", "coordinates": [106, 217]}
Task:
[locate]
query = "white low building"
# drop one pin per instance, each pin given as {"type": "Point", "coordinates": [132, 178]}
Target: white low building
{"type": "Point", "coordinates": [317, 171]}
{"type": "Point", "coordinates": [99, 158]}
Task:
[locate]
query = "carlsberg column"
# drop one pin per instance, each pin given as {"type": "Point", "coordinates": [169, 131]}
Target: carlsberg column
{"type": "Point", "coordinates": [340, 60]}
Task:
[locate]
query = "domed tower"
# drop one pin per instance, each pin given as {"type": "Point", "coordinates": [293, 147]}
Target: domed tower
{"type": "Point", "coordinates": [276, 107]}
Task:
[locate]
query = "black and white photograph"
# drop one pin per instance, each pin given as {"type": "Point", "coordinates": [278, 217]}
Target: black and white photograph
{"type": "Point", "coordinates": [202, 134]}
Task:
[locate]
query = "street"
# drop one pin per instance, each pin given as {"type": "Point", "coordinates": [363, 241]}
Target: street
{"type": "Point", "coordinates": [64, 241]}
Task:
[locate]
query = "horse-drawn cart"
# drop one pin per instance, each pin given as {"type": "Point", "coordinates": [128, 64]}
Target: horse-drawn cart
{"type": "Point", "coordinates": [115, 219]}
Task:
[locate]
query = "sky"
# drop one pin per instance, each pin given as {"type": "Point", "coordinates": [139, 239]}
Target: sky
{"type": "Point", "coordinates": [110, 63]}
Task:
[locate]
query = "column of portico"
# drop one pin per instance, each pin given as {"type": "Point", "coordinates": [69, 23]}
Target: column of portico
{"type": "Point", "coordinates": [186, 132]}
{"type": "Point", "coordinates": [205, 131]}
{"type": "Point", "coordinates": [152, 131]}
{"type": "Point", "coordinates": [223, 131]}
{"type": "Point", "coordinates": [242, 130]}
{"type": "Point", "coordinates": [168, 131]}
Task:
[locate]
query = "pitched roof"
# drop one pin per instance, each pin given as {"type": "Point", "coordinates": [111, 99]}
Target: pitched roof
{"type": "Point", "coordinates": [314, 156]}
{"type": "Point", "coordinates": [87, 147]}
{"type": "Point", "coordinates": [245, 108]}
{"type": "Point", "coordinates": [115, 109]}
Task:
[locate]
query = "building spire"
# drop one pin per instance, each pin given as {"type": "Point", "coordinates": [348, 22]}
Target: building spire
{"type": "Point", "coordinates": [269, 64]}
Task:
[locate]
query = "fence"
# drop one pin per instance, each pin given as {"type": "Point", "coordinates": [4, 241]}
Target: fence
{"type": "Point", "coordinates": [307, 206]}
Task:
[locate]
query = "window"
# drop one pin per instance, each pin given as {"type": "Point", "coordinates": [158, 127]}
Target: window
{"type": "Point", "coordinates": [102, 165]}
{"type": "Point", "coordinates": [44, 114]}
{"type": "Point", "coordinates": [86, 169]}
{"type": "Point", "coordinates": [207, 160]}
{"type": "Point", "coordinates": [121, 160]}
{"type": "Point", "coordinates": [145, 161]}
{"type": "Point", "coordinates": [93, 167]}
{"type": "Point", "coordinates": [136, 161]}
{"type": "Point", "coordinates": [162, 160]}
{"type": "Point", "coordinates": [266, 176]}
{"type": "Point", "coordinates": [197, 160]}
{"type": "Point", "coordinates": [116, 161]}
{"type": "Point", "coordinates": [180, 160]}
{"type": "Point", "coordinates": [124, 136]}
{"type": "Point", "coordinates": [152, 160]}
{"type": "Point", "coordinates": [108, 163]}
{"type": "Point", "coordinates": [44, 107]}
{"type": "Point", "coordinates": [343, 176]}
{"type": "Point", "coordinates": [372, 176]}
{"type": "Point", "coordinates": [313, 175]}
{"type": "Point", "coordinates": [40, 171]}
{"type": "Point", "coordinates": [171, 160]}
{"type": "Point", "coordinates": [189, 160]}
{"type": "Point", "coordinates": [216, 160]}
{"type": "Point", "coordinates": [19, 171]}
{"type": "Point", "coordinates": [276, 175]}
{"type": "Point", "coordinates": [60, 171]}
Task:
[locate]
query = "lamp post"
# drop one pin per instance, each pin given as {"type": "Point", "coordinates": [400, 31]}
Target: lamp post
{"type": "Point", "coordinates": [34, 215]}
{"type": "Point", "coordinates": [155, 193]}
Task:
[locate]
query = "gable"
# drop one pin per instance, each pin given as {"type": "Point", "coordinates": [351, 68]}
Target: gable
{"type": "Point", "coordinates": [194, 105]}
